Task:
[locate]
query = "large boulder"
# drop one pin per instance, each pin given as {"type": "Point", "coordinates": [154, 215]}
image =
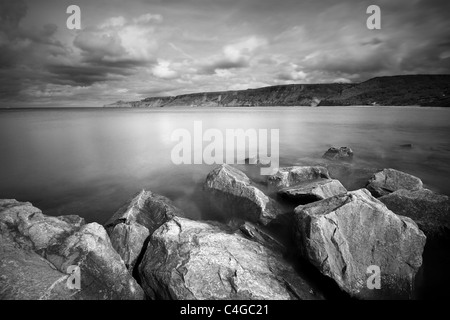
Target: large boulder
{"type": "Point", "coordinates": [32, 229]}
{"type": "Point", "coordinates": [431, 211]}
{"type": "Point", "coordinates": [310, 191]}
{"type": "Point", "coordinates": [390, 180]}
{"type": "Point", "coordinates": [291, 176]}
{"type": "Point", "coordinates": [104, 275]}
{"type": "Point", "coordinates": [25, 275]}
{"type": "Point", "coordinates": [232, 192]}
{"type": "Point", "coordinates": [341, 154]}
{"type": "Point", "coordinates": [188, 259]}
{"type": "Point", "coordinates": [61, 242]}
{"type": "Point", "coordinates": [131, 225]}
{"type": "Point", "coordinates": [344, 236]}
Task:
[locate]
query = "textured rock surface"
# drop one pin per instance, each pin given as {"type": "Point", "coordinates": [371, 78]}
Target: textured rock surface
{"type": "Point", "coordinates": [25, 275]}
{"type": "Point", "coordinates": [131, 225]}
{"type": "Point", "coordinates": [429, 210]}
{"type": "Point", "coordinates": [286, 177]}
{"type": "Point", "coordinates": [341, 154]}
{"type": "Point", "coordinates": [344, 235]}
{"type": "Point", "coordinates": [231, 192]}
{"type": "Point", "coordinates": [61, 242]}
{"type": "Point", "coordinates": [256, 233]}
{"type": "Point", "coordinates": [314, 190]}
{"type": "Point", "coordinates": [104, 275]}
{"type": "Point", "coordinates": [390, 180]}
{"type": "Point", "coordinates": [197, 260]}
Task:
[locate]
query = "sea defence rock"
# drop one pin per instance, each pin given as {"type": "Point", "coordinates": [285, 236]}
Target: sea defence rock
{"type": "Point", "coordinates": [345, 236]}
{"type": "Point", "coordinates": [132, 224]}
{"type": "Point", "coordinates": [256, 233]}
{"type": "Point", "coordinates": [341, 154]}
{"type": "Point", "coordinates": [390, 180]}
{"type": "Point", "coordinates": [25, 275]}
{"type": "Point", "coordinates": [431, 211]}
{"type": "Point", "coordinates": [310, 191]}
{"type": "Point", "coordinates": [290, 176]}
{"type": "Point", "coordinates": [232, 192]}
{"type": "Point", "coordinates": [188, 260]}
{"type": "Point", "coordinates": [61, 242]}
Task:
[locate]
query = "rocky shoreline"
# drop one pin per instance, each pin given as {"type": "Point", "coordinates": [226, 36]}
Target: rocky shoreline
{"type": "Point", "coordinates": [148, 249]}
{"type": "Point", "coordinates": [406, 90]}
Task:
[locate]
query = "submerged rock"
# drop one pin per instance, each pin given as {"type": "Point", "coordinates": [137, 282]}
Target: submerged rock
{"type": "Point", "coordinates": [431, 211]}
{"type": "Point", "coordinates": [131, 225]}
{"type": "Point", "coordinates": [188, 259]}
{"type": "Point", "coordinates": [342, 154]}
{"type": "Point", "coordinates": [290, 176]}
{"type": "Point", "coordinates": [311, 191]}
{"type": "Point", "coordinates": [61, 242]}
{"type": "Point", "coordinates": [345, 235]}
{"type": "Point", "coordinates": [231, 191]}
{"type": "Point", "coordinates": [390, 180]}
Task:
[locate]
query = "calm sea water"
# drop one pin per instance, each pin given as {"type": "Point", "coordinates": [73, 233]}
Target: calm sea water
{"type": "Point", "coordinates": [89, 161]}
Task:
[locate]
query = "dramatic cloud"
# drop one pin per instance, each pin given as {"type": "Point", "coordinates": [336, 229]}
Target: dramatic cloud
{"type": "Point", "coordinates": [133, 49]}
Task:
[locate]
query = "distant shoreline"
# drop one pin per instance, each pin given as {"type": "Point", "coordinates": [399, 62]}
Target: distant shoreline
{"type": "Point", "coordinates": [408, 90]}
{"type": "Point", "coordinates": [214, 108]}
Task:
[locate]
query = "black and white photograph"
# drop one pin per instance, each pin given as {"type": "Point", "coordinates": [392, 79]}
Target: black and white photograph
{"type": "Point", "coordinates": [236, 151]}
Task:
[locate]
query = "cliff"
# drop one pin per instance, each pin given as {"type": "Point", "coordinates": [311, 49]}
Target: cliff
{"type": "Point", "coordinates": [418, 90]}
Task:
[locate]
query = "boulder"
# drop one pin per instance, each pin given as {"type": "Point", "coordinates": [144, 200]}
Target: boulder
{"type": "Point", "coordinates": [25, 275]}
{"type": "Point", "coordinates": [310, 191]}
{"type": "Point", "coordinates": [131, 225]}
{"type": "Point", "coordinates": [257, 233]}
{"type": "Point", "coordinates": [341, 154]}
{"type": "Point", "coordinates": [390, 180]}
{"type": "Point", "coordinates": [104, 275]}
{"type": "Point", "coordinates": [431, 211]}
{"type": "Point", "coordinates": [194, 260]}
{"type": "Point", "coordinates": [290, 176]}
{"type": "Point", "coordinates": [232, 192]}
{"type": "Point", "coordinates": [344, 236]}
{"type": "Point", "coordinates": [32, 229]}
{"type": "Point", "coordinates": [55, 243]}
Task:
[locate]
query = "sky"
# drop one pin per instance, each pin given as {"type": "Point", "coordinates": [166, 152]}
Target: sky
{"type": "Point", "coordinates": [130, 50]}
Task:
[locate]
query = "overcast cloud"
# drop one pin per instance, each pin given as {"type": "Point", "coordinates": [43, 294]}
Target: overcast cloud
{"type": "Point", "coordinates": [130, 50]}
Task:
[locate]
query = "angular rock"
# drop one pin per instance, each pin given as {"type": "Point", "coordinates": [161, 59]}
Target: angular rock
{"type": "Point", "coordinates": [61, 242]}
{"type": "Point", "coordinates": [310, 191]}
{"type": "Point", "coordinates": [431, 211]}
{"type": "Point", "coordinates": [30, 228]}
{"type": "Point", "coordinates": [25, 275]}
{"type": "Point", "coordinates": [131, 225]}
{"type": "Point", "coordinates": [188, 260]}
{"type": "Point", "coordinates": [231, 191]}
{"type": "Point", "coordinates": [344, 235]}
{"type": "Point", "coordinates": [256, 233]}
{"type": "Point", "coordinates": [104, 275]}
{"type": "Point", "coordinates": [390, 180]}
{"type": "Point", "coordinates": [286, 177]}
{"type": "Point", "coordinates": [341, 154]}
